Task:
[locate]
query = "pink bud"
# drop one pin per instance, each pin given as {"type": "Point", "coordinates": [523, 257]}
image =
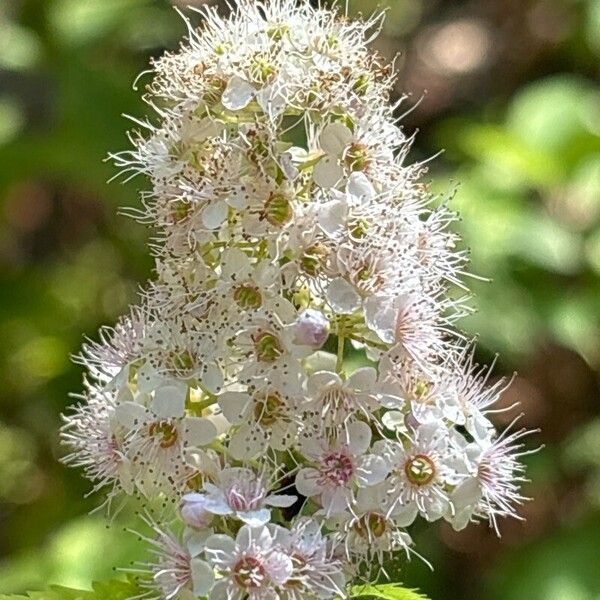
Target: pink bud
{"type": "Point", "coordinates": [312, 328]}
{"type": "Point", "coordinates": [193, 511]}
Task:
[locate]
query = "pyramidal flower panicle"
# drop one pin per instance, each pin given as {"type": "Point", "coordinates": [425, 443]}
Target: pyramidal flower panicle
{"type": "Point", "coordinates": [289, 227]}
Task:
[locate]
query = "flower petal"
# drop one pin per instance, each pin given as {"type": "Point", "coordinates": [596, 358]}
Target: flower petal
{"type": "Point", "coordinates": [234, 406]}
{"type": "Point", "coordinates": [131, 414]}
{"type": "Point", "coordinates": [219, 547]}
{"type": "Point", "coordinates": [336, 500]}
{"type": "Point", "coordinates": [327, 172]}
{"type": "Point", "coordinates": [307, 482]}
{"type": "Point", "coordinates": [281, 500]}
{"type": "Point", "coordinates": [169, 401]}
{"type": "Point", "coordinates": [279, 567]}
{"type": "Point", "coordinates": [363, 379]}
{"type": "Point", "coordinates": [255, 518]}
{"type": "Point", "coordinates": [235, 265]}
{"type": "Point", "coordinates": [199, 431]}
{"type": "Point", "coordinates": [359, 437]}
{"type": "Point", "coordinates": [342, 296]}
{"type": "Point", "coordinates": [320, 380]}
{"type": "Point", "coordinates": [372, 470]}
{"type": "Point", "coordinates": [203, 577]}
{"type": "Point", "coordinates": [237, 94]}
{"type": "Point", "coordinates": [334, 138]}
{"type": "Point", "coordinates": [360, 187]}
{"type": "Point", "coordinates": [247, 442]}
{"type": "Point", "coordinates": [332, 216]}
{"type": "Point", "coordinates": [214, 215]}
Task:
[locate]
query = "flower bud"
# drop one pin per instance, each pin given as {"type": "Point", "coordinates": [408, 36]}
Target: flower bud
{"type": "Point", "coordinates": [312, 328]}
{"type": "Point", "coordinates": [193, 511]}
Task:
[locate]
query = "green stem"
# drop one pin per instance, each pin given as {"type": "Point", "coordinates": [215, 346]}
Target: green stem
{"type": "Point", "coordinates": [371, 343]}
{"type": "Point", "coordinates": [341, 338]}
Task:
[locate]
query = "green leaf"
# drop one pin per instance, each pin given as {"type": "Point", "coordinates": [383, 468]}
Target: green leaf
{"type": "Point", "coordinates": [113, 590]}
{"type": "Point", "coordinates": [388, 591]}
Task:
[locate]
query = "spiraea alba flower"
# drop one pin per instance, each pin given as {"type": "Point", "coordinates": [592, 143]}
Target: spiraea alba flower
{"type": "Point", "coordinates": [289, 233]}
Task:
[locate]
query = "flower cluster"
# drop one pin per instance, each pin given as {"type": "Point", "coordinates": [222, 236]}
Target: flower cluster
{"type": "Point", "coordinates": [290, 234]}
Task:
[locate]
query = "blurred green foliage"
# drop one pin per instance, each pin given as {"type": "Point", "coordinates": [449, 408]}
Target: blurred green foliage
{"type": "Point", "coordinates": [510, 90]}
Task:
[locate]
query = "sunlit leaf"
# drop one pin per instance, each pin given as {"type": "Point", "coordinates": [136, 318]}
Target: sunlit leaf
{"type": "Point", "coordinates": [11, 118]}
{"type": "Point", "coordinates": [549, 114]}
{"type": "Point", "coordinates": [20, 47]}
{"type": "Point", "coordinates": [81, 21]}
{"type": "Point", "coordinates": [386, 591]}
{"type": "Point", "coordinates": [114, 590]}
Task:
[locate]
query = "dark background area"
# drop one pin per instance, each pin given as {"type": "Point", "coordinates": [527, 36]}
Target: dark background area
{"type": "Point", "coordinates": [509, 88]}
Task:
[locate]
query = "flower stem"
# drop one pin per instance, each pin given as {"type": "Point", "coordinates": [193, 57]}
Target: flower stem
{"type": "Point", "coordinates": [341, 338]}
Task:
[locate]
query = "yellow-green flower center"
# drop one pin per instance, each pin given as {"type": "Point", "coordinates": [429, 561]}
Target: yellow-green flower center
{"type": "Point", "coordinates": [267, 347]}
{"type": "Point", "coordinates": [278, 210]}
{"type": "Point", "coordinates": [370, 525]}
{"type": "Point", "coordinates": [356, 157]}
{"type": "Point", "coordinates": [267, 410]}
{"type": "Point", "coordinates": [165, 431]}
{"type": "Point", "coordinates": [419, 470]}
{"type": "Point", "coordinates": [248, 297]}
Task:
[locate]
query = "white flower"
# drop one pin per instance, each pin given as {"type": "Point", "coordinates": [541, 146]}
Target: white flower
{"type": "Point", "coordinates": [492, 490]}
{"type": "Point", "coordinates": [251, 566]}
{"type": "Point", "coordinates": [339, 467]}
{"type": "Point", "coordinates": [242, 493]}
{"type": "Point", "coordinates": [336, 402]}
{"type": "Point", "coordinates": [317, 572]}
{"type": "Point", "coordinates": [243, 286]}
{"type": "Point", "coordinates": [272, 355]}
{"type": "Point", "coordinates": [174, 355]}
{"type": "Point", "coordinates": [178, 573]}
{"type": "Point", "coordinates": [370, 531]}
{"type": "Point", "coordinates": [265, 418]}
{"type": "Point", "coordinates": [420, 474]}
{"type": "Point", "coordinates": [158, 441]}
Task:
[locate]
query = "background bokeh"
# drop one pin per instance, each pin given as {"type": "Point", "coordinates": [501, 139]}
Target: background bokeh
{"type": "Point", "coordinates": [509, 88]}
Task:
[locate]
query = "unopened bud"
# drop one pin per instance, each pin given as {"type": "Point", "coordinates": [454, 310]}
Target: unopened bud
{"type": "Point", "coordinates": [312, 328]}
{"type": "Point", "coordinates": [193, 511]}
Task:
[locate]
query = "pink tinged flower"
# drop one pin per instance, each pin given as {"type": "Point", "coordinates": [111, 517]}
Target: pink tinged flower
{"type": "Point", "coordinates": [334, 400]}
{"type": "Point", "coordinates": [250, 566]}
{"type": "Point", "coordinates": [494, 489]}
{"type": "Point", "coordinates": [96, 441]}
{"type": "Point", "coordinates": [177, 572]}
{"type": "Point", "coordinates": [194, 511]}
{"type": "Point", "coordinates": [411, 321]}
{"type": "Point", "coordinates": [242, 493]}
{"type": "Point", "coordinates": [339, 468]}
{"type": "Point", "coordinates": [317, 571]}
{"type": "Point", "coordinates": [311, 328]}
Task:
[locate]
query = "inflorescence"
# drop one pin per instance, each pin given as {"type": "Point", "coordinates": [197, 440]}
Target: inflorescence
{"type": "Point", "coordinates": [290, 237]}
